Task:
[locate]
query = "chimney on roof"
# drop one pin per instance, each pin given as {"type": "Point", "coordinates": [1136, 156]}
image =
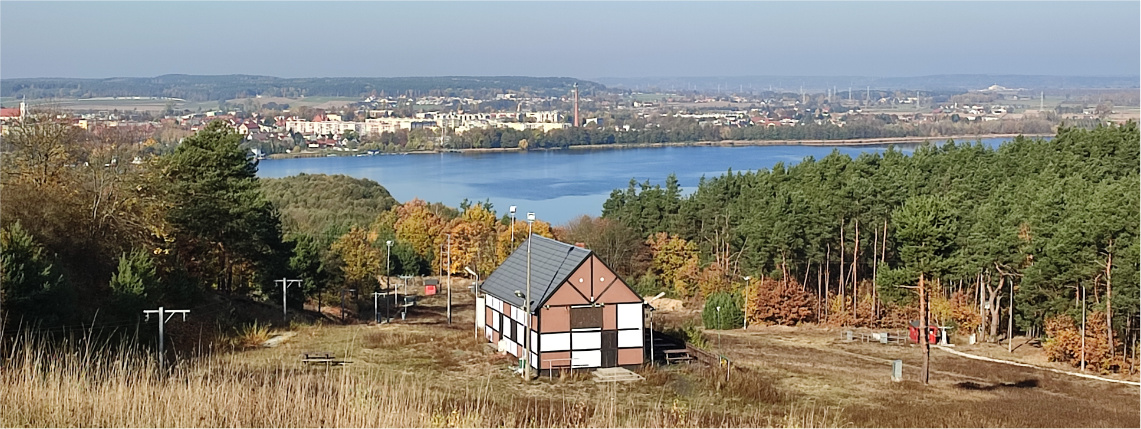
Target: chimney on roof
{"type": "Point", "coordinates": [580, 244]}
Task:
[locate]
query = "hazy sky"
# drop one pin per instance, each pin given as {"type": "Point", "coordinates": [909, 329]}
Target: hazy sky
{"type": "Point", "coordinates": [583, 40]}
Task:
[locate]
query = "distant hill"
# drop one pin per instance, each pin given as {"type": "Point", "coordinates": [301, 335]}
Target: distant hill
{"type": "Point", "coordinates": [958, 82]}
{"type": "Point", "coordinates": [206, 88]}
{"type": "Point", "coordinates": [326, 206]}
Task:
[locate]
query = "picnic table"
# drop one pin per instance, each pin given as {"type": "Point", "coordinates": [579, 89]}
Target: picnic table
{"type": "Point", "coordinates": [677, 355]}
{"type": "Point", "coordinates": [326, 358]}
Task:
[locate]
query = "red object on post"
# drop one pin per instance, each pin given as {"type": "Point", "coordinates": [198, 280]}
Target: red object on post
{"type": "Point", "coordinates": [429, 289]}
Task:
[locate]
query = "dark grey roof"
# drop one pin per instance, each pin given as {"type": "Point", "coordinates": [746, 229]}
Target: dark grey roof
{"type": "Point", "coordinates": [551, 263]}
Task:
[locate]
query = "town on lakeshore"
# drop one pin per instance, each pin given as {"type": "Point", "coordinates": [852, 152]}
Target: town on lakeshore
{"type": "Point", "coordinates": [502, 117]}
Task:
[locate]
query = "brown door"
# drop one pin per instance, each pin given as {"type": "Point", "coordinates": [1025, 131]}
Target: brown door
{"type": "Point", "coordinates": [609, 349]}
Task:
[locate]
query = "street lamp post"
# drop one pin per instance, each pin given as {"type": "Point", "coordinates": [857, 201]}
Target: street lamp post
{"type": "Point", "coordinates": [512, 210]}
{"type": "Point", "coordinates": [718, 328]}
{"type": "Point", "coordinates": [747, 278]}
{"type": "Point", "coordinates": [527, 304]}
{"type": "Point", "coordinates": [388, 280]}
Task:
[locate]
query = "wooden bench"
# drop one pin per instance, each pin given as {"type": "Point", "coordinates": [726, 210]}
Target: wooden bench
{"type": "Point", "coordinates": [326, 358]}
{"type": "Point", "coordinates": [677, 355]}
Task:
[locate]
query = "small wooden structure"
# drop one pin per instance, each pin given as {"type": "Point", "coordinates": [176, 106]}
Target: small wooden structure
{"type": "Point", "coordinates": [431, 286]}
{"type": "Point", "coordinates": [932, 332]}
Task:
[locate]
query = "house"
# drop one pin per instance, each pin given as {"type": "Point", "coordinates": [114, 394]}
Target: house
{"type": "Point", "coordinates": [583, 315]}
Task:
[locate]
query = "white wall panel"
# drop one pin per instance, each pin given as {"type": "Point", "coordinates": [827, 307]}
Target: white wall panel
{"type": "Point", "coordinates": [555, 342]}
{"type": "Point", "coordinates": [586, 359]}
{"type": "Point", "coordinates": [630, 338]}
{"type": "Point", "coordinates": [495, 321]}
{"type": "Point", "coordinates": [480, 311]}
{"type": "Point", "coordinates": [629, 316]}
{"type": "Point", "coordinates": [586, 340]}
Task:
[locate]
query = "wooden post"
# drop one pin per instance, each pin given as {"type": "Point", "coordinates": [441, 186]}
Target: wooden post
{"type": "Point", "coordinates": [923, 335]}
{"type": "Point", "coordinates": [1108, 301]}
{"type": "Point", "coordinates": [855, 274]}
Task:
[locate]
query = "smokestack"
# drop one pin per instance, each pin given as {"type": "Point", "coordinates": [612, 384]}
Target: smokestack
{"type": "Point", "coordinates": [576, 122]}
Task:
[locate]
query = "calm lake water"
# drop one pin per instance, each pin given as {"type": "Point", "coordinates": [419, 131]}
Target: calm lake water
{"type": "Point", "coordinates": [557, 185]}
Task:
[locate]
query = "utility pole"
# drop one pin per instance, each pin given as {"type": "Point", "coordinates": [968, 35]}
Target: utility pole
{"type": "Point", "coordinates": [449, 270]}
{"type": "Point", "coordinates": [388, 281]}
{"type": "Point", "coordinates": [747, 278]}
{"type": "Point", "coordinates": [285, 283]}
{"type": "Point", "coordinates": [164, 316]}
{"type": "Point", "coordinates": [527, 304]}
{"type": "Point", "coordinates": [1083, 292]}
{"type": "Point", "coordinates": [1010, 321]}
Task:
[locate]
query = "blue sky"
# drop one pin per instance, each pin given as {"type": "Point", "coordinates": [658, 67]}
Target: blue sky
{"type": "Point", "coordinates": [583, 40]}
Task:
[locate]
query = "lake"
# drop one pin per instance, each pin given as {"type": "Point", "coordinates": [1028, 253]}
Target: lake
{"type": "Point", "coordinates": [557, 185]}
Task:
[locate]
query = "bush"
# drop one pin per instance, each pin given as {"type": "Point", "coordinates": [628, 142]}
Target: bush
{"type": "Point", "coordinates": [1064, 343]}
{"type": "Point", "coordinates": [729, 317]}
{"type": "Point", "coordinates": [648, 285]}
{"type": "Point", "coordinates": [779, 302]}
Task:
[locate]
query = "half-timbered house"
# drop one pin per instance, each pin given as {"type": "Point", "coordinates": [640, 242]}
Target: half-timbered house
{"type": "Point", "coordinates": [583, 315]}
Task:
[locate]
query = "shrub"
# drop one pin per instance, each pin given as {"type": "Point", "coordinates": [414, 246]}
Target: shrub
{"type": "Point", "coordinates": [730, 315]}
{"type": "Point", "coordinates": [778, 302]}
{"type": "Point", "coordinates": [1064, 343]}
{"type": "Point", "coordinates": [252, 335]}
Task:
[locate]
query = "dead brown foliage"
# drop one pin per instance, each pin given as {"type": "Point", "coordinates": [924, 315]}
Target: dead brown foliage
{"type": "Point", "coordinates": [1065, 342]}
{"type": "Point", "coordinates": [780, 302]}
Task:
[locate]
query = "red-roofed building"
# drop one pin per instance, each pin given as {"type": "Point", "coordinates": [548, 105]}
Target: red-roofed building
{"type": "Point", "coordinates": [12, 114]}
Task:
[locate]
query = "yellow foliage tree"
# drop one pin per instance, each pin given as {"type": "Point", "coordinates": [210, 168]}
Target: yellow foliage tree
{"type": "Point", "coordinates": [504, 245]}
{"type": "Point", "coordinates": [472, 235]}
{"type": "Point", "coordinates": [418, 226]}
{"type": "Point", "coordinates": [675, 261]}
{"type": "Point", "coordinates": [361, 260]}
{"type": "Point", "coordinates": [713, 279]}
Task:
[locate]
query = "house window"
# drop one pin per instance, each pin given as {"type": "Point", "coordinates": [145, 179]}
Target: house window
{"type": "Point", "coordinates": [586, 317]}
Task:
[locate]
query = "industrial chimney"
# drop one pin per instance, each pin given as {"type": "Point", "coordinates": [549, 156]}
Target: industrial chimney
{"type": "Point", "coordinates": [576, 122]}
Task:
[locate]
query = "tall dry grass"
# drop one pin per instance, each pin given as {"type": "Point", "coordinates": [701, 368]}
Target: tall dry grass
{"type": "Point", "coordinates": [47, 385]}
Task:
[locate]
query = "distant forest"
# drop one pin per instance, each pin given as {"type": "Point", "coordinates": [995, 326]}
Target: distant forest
{"type": "Point", "coordinates": [207, 88]}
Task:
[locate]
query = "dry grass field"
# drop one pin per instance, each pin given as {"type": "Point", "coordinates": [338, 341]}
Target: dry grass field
{"type": "Point", "coordinates": [421, 372]}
